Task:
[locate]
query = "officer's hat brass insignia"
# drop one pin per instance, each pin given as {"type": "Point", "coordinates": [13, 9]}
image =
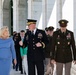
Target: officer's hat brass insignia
{"type": "Point", "coordinates": [62, 22]}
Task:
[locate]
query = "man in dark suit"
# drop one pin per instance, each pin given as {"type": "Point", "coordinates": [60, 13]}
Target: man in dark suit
{"type": "Point", "coordinates": [63, 48]}
{"type": "Point", "coordinates": [36, 41]}
{"type": "Point", "coordinates": [16, 39]}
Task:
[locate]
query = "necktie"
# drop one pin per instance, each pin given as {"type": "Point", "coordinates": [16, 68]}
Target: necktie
{"type": "Point", "coordinates": [32, 32]}
{"type": "Point", "coordinates": [63, 33]}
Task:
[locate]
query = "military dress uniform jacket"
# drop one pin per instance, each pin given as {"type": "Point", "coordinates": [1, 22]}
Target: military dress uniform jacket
{"type": "Point", "coordinates": [63, 47]}
{"type": "Point", "coordinates": [48, 51]}
{"type": "Point", "coordinates": [35, 53]}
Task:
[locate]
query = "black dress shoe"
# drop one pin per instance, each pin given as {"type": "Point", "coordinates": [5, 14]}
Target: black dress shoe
{"type": "Point", "coordinates": [16, 69]}
{"type": "Point", "coordinates": [24, 73]}
{"type": "Point", "coordinates": [21, 72]}
{"type": "Point", "coordinates": [13, 67]}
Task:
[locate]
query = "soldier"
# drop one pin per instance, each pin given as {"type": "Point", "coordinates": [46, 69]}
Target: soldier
{"type": "Point", "coordinates": [48, 52]}
{"type": "Point", "coordinates": [36, 41]}
{"type": "Point", "coordinates": [63, 48]}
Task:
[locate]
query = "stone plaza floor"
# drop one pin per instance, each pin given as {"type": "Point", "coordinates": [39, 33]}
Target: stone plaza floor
{"type": "Point", "coordinates": [13, 72]}
{"type": "Point", "coordinates": [73, 71]}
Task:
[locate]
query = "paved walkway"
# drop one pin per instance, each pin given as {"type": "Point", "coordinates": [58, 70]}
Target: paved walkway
{"type": "Point", "coordinates": [73, 71]}
{"type": "Point", "coordinates": [13, 72]}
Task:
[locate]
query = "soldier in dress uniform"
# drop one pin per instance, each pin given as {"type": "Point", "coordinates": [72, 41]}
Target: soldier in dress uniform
{"type": "Point", "coordinates": [48, 52]}
{"type": "Point", "coordinates": [63, 48]}
{"type": "Point", "coordinates": [36, 41]}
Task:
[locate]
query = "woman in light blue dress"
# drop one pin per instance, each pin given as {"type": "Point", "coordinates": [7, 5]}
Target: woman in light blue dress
{"type": "Point", "coordinates": [7, 51]}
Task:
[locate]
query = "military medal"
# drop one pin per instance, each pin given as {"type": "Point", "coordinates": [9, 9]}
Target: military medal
{"type": "Point", "coordinates": [68, 36]}
{"type": "Point", "coordinates": [40, 35]}
{"type": "Point", "coordinates": [58, 37]}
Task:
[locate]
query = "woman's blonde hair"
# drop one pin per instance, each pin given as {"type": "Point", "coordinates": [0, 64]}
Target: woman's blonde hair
{"type": "Point", "coordinates": [3, 30]}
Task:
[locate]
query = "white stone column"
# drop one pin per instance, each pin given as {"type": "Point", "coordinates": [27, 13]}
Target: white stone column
{"type": "Point", "coordinates": [30, 9]}
{"type": "Point", "coordinates": [59, 11]}
{"type": "Point", "coordinates": [74, 10]}
{"type": "Point", "coordinates": [22, 14]}
{"type": "Point", "coordinates": [44, 13]}
{"type": "Point", "coordinates": [15, 15]}
{"type": "Point", "coordinates": [1, 14]}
